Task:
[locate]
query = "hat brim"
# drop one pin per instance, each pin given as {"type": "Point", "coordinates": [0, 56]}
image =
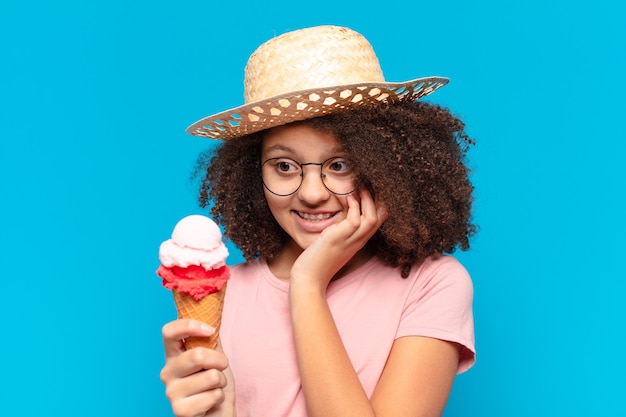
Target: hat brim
{"type": "Point", "coordinates": [306, 104]}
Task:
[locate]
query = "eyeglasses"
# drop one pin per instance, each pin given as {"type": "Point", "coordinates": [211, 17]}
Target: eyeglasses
{"type": "Point", "coordinates": [284, 176]}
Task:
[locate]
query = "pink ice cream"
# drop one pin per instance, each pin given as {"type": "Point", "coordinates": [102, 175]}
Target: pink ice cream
{"type": "Point", "coordinates": [193, 261]}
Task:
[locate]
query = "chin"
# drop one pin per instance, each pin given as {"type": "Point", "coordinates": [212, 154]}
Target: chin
{"type": "Point", "coordinates": [301, 243]}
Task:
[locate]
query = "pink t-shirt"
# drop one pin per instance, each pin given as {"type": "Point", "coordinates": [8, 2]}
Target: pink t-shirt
{"type": "Point", "coordinates": [371, 306]}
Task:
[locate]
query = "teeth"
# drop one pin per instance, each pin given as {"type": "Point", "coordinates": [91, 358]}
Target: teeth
{"type": "Point", "coordinates": [315, 217]}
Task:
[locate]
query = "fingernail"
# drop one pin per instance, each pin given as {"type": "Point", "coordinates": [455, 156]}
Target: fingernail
{"type": "Point", "coordinates": [206, 329]}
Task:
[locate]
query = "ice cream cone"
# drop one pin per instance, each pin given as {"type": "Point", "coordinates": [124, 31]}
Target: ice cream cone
{"type": "Point", "coordinates": [208, 310]}
{"type": "Point", "coordinates": [193, 266]}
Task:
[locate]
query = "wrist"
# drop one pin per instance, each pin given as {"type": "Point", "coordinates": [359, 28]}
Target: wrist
{"type": "Point", "coordinates": [305, 298]}
{"type": "Point", "coordinates": [308, 288]}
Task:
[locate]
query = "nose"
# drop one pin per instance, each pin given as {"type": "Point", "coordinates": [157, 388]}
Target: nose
{"type": "Point", "coordinates": [312, 190]}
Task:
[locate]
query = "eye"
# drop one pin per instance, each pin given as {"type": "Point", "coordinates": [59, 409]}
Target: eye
{"type": "Point", "coordinates": [339, 166]}
{"type": "Point", "coordinates": [286, 166]}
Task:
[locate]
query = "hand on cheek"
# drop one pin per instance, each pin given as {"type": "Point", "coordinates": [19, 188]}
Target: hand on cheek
{"type": "Point", "coordinates": [337, 244]}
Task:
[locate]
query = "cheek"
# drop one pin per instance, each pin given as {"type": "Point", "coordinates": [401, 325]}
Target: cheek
{"type": "Point", "coordinates": [356, 195]}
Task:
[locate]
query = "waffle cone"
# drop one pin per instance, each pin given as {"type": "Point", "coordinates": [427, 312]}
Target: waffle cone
{"type": "Point", "coordinates": [208, 310]}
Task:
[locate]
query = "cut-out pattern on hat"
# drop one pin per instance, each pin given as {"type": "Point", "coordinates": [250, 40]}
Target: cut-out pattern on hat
{"type": "Point", "coordinates": [307, 104]}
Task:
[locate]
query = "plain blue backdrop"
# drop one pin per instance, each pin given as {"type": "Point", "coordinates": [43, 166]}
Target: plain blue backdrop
{"type": "Point", "coordinates": [95, 167]}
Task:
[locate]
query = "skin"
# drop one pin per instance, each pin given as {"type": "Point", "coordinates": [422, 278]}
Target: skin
{"type": "Point", "coordinates": [419, 373]}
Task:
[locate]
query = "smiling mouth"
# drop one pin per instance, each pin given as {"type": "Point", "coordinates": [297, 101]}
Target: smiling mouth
{"type": "Point", "coordinates": [315, 217]}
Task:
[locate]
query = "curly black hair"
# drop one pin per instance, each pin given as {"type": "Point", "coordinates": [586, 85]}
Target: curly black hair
{"type": "Point", "coordinates": [411, 156]}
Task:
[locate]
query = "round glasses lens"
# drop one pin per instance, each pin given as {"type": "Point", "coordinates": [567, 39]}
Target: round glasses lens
{"type": "Point", "coordinates": [338, 175]}
{"type": "Point", "coordinates": [281, 176]}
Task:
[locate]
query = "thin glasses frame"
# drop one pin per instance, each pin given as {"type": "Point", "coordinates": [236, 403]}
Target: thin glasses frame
{"type": "Point", "coordinates": [301, 174]}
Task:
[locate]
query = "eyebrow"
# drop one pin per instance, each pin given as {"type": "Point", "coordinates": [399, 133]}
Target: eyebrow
{"type": "Point", "coordinates": [279, 147]}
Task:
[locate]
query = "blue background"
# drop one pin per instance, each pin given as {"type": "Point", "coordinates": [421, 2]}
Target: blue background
{"type": "Point", "coordinates": [95, 166]}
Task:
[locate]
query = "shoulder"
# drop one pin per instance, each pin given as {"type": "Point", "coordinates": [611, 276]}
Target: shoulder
{"type": "Point", "coordinates": [440, 305]}
{"type": "Point", "coordinates": [244, 277]}
{"type": "Point", "coordinates": [441, 298]}
{"type": "Point", "coordinates": [443, 262]}
{"type": "Point", "coordinates": [435, 271]}
{"type": "Point", "coordinates": [246, 266]}
{"type": "Point", "coordinates": [442, 271]}
{"type": "Point", "coordinates": [247, 269]}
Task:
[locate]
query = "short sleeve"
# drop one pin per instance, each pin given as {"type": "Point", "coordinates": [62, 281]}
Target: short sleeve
{"type": "Point", "coordinates": [439, 305]}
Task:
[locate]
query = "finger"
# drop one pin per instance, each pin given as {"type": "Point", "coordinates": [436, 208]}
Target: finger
{"type": "Point", "coordinates": [377, 211]}
{"type": "Point", "coordinates": [198, 404]}
{"type": "Point", "coordinates": [367, 217]}
{"type": "Point", "coordinates": [352, 227]}
{"type": "Point", "coordinates": [176, 331]}
{"type": "Point", "coordinates": [192, 361]}
{"type": "Point", "coordinates": [197, 393]}
{"type": "Point", "coordinates": [367, 203]}
{"type": "Point", "coordinates": [195, 383]}
{"type": "Point", "coordinates": [355, 211]}
{"type": "Point", "coordinates": [364, 216]}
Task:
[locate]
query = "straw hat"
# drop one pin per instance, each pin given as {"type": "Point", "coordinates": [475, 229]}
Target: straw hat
{"type": "Point", "coordinates": [308, 73]}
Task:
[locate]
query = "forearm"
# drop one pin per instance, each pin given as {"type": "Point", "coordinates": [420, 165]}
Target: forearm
{"type": "Point", "coordinates": [330, 384]}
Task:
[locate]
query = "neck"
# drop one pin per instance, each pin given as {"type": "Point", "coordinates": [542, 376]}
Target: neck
{"type": "Point", "coordinates": [280, 265]}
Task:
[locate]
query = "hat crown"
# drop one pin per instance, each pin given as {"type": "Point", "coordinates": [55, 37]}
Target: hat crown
{"type": "Point", "coordinates": [310, 73]}
{"type": "Point", "coordinates": [316, 57]}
